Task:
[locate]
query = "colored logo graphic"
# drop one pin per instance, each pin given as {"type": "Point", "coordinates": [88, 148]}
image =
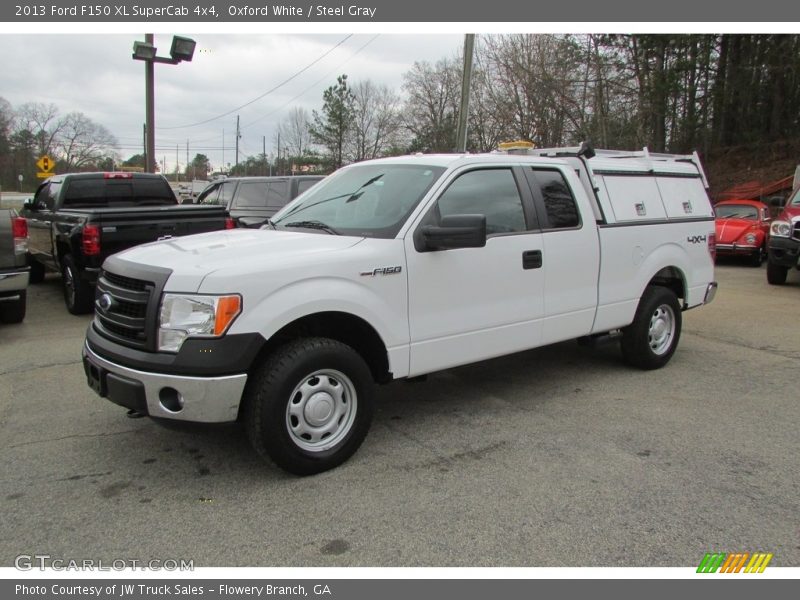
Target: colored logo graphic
{"type": "Point", "coordinates": [734, 562]}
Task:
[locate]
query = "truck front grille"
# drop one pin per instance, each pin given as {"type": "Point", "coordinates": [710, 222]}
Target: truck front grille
{"type": "Point", "coordinates": [121, 309]}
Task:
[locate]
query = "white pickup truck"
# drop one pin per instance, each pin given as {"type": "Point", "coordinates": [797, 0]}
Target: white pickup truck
{"type": "Point", "coordinates": [392, 269]}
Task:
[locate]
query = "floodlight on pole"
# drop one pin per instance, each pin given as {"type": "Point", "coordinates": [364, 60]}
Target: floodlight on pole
{"type": "Point", "coordinates": [182, 49]}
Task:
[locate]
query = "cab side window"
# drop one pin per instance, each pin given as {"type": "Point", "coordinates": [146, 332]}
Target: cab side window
{"type": "Point", "coordinates": [559, 204]}
{"type": "Point", "coordinates": [490, 192]}
{"type": "Point", "coordinates": [253, 194]}
{"type": "Point", "coordinates": [210, 195]}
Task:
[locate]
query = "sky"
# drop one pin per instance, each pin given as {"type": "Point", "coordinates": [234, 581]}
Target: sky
{"type": "Point", "coordinates": [95, 74]}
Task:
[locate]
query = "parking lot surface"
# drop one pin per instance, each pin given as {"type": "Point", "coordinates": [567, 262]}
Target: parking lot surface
{"type": "Point", "coordinates": [560, 456]}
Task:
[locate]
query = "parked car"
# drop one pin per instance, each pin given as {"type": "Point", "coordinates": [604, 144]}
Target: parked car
{"type": "Point", "coordinates": [13, 266]}
{"type": "Point", "coordinates": [784, 241]}
{"type": "Point", "coordinates": [395, 268]}
{"type": "Point", "coordinates": [742, 228]}
{"type": "Point", "coordinates": [77, 220]}
{"type": "Point", "coordinates": [253, 200]}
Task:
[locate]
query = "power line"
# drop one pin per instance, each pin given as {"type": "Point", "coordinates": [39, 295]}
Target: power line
{"type": "Point", "coordinates": [280, 85]}
{"type": "Point", "coordinates": [305, 91]}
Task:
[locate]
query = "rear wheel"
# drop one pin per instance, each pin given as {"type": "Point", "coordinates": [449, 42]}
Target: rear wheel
{"type": "Point", "coordinates": [757, 257]}
{"type": "Point", "coordinates": [650, 341]}
{"type": "Point", "coordinates": [776, 274]}
{"type": "Point", "coordinates": [78, 295]}
{"type": "Point", "coordinates": [14, 311]}
{"type": "Point", "coordinates": [308, 407]}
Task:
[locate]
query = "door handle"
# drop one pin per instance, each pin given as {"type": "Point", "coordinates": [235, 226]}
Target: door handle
{"type": "Point", "coordinates": [532, 259]}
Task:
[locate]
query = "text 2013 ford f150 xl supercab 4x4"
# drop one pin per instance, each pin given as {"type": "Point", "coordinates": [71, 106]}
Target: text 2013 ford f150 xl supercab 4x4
{"type": "Point", "coordinates": [395, 268]}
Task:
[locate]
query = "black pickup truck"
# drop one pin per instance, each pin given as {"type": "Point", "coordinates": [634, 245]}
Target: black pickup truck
{"type": "Point", "coordinates": [76, 220]}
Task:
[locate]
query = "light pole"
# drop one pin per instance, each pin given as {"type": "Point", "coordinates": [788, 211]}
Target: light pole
{"type": "Point", "coordinates": [182, 49]}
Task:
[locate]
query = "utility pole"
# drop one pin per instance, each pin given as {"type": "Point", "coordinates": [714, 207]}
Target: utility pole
{"type": "Point", "coordinates": [264, 151]}
{"type": "Point", "coordinates": [177, 177]}
{"type": "Point", "coordinates": [144, 141]}
{"type": "Point", "coordinates": [461, 135]}
{"type": "Point", "coordinates": [150, 110]}
{"type": "Point", "coordinates": [187, 161]}
{"type": "Point", "coordinates": [238, 135]}
{"type": "Point", "coordinates": [277, 164]}
{"type": "Point", "coordinates": [223, 150]}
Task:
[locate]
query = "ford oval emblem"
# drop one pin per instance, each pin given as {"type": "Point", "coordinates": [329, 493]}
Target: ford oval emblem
{"type": "Point", "coordinates": [105, 302]}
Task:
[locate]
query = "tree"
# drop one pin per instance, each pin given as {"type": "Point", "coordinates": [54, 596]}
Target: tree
{"type": "Point", "coordinates": [376, 121]}
{"type": "Point", "coordinates": [294, 132]}
{"type": "Point", "coordinates": [81, 143]}
{"type": "Point", "coordinates": [198, 168]}
{"type": "Point", "coordinates": [432, 103]}
{"type": "Point", "coordinates": [331, 127]}
{"type": "Point", "coordinates": [42, 121]}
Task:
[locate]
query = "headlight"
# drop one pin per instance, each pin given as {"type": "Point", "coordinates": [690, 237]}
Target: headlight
{"type": "Point", "coordinates": [750, 238]}
{"type": "Point", "coordinates": [184, 316]}
{"type": "Point", "coordinates": [780, 228]}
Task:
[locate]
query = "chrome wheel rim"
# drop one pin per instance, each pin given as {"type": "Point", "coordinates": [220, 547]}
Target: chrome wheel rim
{"type": "Point", "coordinates": [321, 410]}
{"type": "Point", "coordinates": [662, 329]}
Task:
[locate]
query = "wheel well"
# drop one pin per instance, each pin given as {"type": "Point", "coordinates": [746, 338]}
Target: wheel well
{"type": "Point", "coordinates": [62, 249]}
{"type": "Point", "coordinates": [344, 327]}
{"type": "Point", "coordinates": [673, 279]}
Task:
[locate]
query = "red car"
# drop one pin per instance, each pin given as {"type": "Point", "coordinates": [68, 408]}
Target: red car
{"type": "Point", "coordinates": [742, 228]}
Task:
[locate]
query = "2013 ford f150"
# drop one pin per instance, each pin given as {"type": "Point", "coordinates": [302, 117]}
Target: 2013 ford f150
{"type": "Point", "coordinates": [395, 268]}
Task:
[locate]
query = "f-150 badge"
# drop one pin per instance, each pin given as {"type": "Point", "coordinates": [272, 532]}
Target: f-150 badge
{"type": "Point", "coordinates": [382, 271]}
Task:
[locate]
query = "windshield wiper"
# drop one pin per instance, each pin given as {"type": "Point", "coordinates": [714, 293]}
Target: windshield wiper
{"type": "Point", "coordinates": [312, 225]}
{"type": "Point", "coordinates": [351, 196]}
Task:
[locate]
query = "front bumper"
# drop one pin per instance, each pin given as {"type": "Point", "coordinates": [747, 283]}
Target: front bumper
{"type": "Point", "coordinates": [178, 397]}
{"type": "Point", "coordinates": [784, 252]}
{"type": "Point", "coordinates": [15, 280]}
{"type": "Point", "coordinates": [736, 249]}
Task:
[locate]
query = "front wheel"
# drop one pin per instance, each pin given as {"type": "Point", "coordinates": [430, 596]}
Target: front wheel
{"type": "Point", "coordinates": [650, 341]}
{"type": "Point", "coordinates": [308, 406]}
{"type": "Point", "coordinates": [78, 295]}
{"type": "Point", "coordinates": [776, 274]}
{"type": "Point", "coordinates": [757, 257]}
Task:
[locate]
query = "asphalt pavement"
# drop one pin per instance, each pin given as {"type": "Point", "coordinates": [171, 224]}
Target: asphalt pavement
{"type": "Point", "coordinates": [560, 456]}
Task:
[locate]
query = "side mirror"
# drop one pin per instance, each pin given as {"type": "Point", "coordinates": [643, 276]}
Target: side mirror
{"type": "Point", "coordinates": [28, 204]}
{"type": "Point", "coordinates": [455, 231]}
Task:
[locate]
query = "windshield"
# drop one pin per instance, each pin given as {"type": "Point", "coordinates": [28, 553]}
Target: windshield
{"type": "Point", "coordinates": [365, 200]}
{"type": "Point", "coordinates": [736, 211]}
{"type": "Point", "coordinates": [795, 201]}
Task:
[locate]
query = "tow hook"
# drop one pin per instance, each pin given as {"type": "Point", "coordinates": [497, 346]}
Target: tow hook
{"type": "Point", "coordinates": [135, 414]}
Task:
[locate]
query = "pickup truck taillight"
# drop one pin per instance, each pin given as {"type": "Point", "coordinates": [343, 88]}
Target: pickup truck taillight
{"type": "Point", "coordinates": [712, 246]}
{"type": "Point", "coordinates": [91, 240]}
{"type": "Point", "coordinates": [19, 231]}
{"type": "Point", "coordinates": [230, 223]}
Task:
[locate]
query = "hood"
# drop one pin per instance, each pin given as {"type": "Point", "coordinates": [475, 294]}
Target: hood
{"type": "Point", "coordinates": [192, 258]}
{"type": "Point", "coordinates": [730, 230]}
{"type": "Point", "coordinates": [789, 213]}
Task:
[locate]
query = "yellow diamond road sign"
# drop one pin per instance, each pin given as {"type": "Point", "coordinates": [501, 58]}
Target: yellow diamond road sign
{"type": "Point", "coordinates": [46, 165]}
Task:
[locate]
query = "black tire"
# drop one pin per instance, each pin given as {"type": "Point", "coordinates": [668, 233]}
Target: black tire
{"type": "Point", "coordinates": [650, 341]}
{"type": "Point", "coordinates": [757, 257]}
{"type": "Point", "coordinates": [305, 375]}
{"type": "Point", "coordinates": [776, 274]}
{"type": "Point", "coordinates": [78, 295]}
{"type": "Point", "coordinates": [37, 270]}
{"type": "Point", "coordinates": [14, 312]}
